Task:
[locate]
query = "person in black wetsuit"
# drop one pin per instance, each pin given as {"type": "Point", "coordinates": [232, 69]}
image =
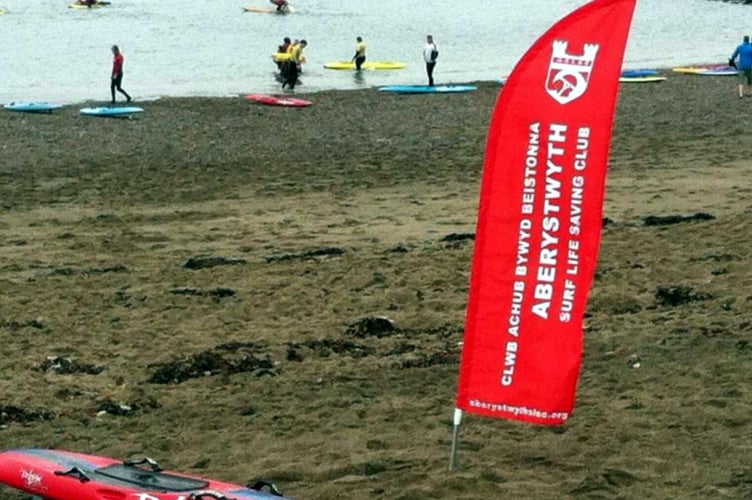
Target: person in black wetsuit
{"type": "Point", "coordinates": [116, 78]}
{"type": "Point", "coordinates": [430, 53]}
{"type": "Point", "coordinates": [291, 69]}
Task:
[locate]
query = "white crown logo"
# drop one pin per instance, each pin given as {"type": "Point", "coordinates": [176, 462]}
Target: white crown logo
{"type": "Point", "coordinates": [568, 74]}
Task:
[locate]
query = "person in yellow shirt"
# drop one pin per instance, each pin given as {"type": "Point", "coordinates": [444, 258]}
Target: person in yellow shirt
{"type": "Point", "coordinates": [292, 67]}
{"type": "Point", "coordinates": [360, 53]}
{"type": "Point", "coordinates": [281, 55]}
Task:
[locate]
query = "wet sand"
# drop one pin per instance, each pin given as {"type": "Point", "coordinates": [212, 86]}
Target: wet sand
{"type": "Point", "coordinates": [206, 273]}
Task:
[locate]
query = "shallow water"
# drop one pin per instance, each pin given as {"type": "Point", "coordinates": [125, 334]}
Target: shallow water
{"type": "Point", "coordinates": [192, 48]}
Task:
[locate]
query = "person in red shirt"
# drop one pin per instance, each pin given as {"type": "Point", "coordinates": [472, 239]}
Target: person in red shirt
{"type": "Point", "coordinates": [117, 74]}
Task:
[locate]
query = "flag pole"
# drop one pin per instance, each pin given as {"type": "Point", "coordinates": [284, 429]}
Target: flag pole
{"type": "Point", "coordinates": [455, 438]}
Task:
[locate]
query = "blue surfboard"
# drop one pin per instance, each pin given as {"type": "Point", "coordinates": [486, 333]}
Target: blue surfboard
{"type": "Point", "coordinates": [425, 89]}
{"type": "Point", "coordinates": [31, 107]}
{"type": "Point", "coordinates": [638, 73]}
{"type": "Point", "coordinates": [111, 111]}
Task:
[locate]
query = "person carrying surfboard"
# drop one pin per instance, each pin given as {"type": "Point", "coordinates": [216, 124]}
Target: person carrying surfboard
{"type": "Point", "coordinates": [286, 42]}
{"type": "Point", "coordinates": [281, 55]}
{"type": "Point", "coordinates": [116, 78]}
{"type": "Point", "coordinates": [430, 53]}
{"type": "Point", "coordinates": [360, 53]}
{"type": "Point", "coordinates": [292, 66]}
{"type": "Point", "coordinates": [744, 67]}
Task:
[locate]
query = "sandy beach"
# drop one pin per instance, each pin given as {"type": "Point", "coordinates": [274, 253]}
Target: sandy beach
{"type": "Point", "coordinates": [199, 285]}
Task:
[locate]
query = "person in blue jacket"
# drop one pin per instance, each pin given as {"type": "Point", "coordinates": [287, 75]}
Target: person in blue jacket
{"type": "Point", "coordinates": [744, 66]}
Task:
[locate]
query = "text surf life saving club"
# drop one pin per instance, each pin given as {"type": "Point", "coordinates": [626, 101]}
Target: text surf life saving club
{"type": "Point", "coordinates": [540, 219]}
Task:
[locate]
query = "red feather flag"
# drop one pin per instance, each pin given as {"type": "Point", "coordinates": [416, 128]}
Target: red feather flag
{"type": "Point", "coordinates": [539, 220]}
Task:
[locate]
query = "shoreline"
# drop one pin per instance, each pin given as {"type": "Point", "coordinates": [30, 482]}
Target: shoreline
{"type": "Point", "coordinates": [663, 71]}
{"type": "Point", "coordinates": [286, 93]}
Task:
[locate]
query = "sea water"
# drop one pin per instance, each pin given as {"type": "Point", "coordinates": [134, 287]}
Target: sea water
{"type": "Point", "coordinates": [213, 48]}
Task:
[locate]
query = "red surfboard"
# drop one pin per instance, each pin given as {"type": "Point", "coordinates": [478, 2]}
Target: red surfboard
{"type": "Point", "coordinates": [271, 100]}
{"type": "Point", "coordinates": [64, 475]}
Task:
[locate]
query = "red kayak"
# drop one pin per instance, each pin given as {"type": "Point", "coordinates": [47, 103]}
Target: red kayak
{"type": "Point", "coordinates": [271, 100]}
{"type": "Point", "coordinates": [64, 475]}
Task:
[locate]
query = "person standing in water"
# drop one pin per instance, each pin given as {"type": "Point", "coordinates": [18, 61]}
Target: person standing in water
{"type": "Point", "coordinates": [360, 53]}
{"type": "Point", "coordinates": [292, 67]}
{"type": "Point", "coordinates": [282, 50]}
{"type": "Point", "coordinates": [116, 79]}
{"type": "Point", "coordinates": [430, 53]}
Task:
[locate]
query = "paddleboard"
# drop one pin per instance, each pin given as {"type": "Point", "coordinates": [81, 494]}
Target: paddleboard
{"type": "Point", "coordinates": [425, 89]}
{"type": "Point", "coordinates": [641, 79]}
{"type": "Point", "coordinates": [375, 65]}
{"type": "Point", "coordinates": [93, 6]}
{"type": "Point", "coordinates": [271, 100]}
{"type": "Point", "coordinates": [700, 68]}
{"type": "Point", "coordinates": [281, 56]}
{"type": "Point", "coordinates": [65, 475]}
{"type": "Point", "coordinates": [632, 73]}
{"type": "Point", "coordinates": [721, 71]}
{"type": "Point", "coordinates": [31, 107]}
{"type": "Point", "coordinates": [269, 10]}
{"type": "Point", "coordinates": [111, 111]}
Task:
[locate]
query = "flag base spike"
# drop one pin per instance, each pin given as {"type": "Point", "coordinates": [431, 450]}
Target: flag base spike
{"type": "Point", "coordinates": [455, 439]}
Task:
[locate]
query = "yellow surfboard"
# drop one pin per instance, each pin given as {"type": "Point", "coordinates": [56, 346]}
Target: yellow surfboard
{"type": "Point", "coordinates": [281, 56]}
{"type": "Point", "coordinates": [284, 56]}
{"type": "Point", "coordinates": [342, 65]}
{"type": "Point", "coordinates": [698, 69]}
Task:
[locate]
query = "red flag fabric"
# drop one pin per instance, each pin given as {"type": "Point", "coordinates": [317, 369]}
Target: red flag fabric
{"type": "Point", "coordinates": [539, 219]}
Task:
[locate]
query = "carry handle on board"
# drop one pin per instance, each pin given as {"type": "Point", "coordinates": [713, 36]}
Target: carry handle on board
{"type": "Point", "coordinates": [199, 495]}
{"type": "Point", "coordinates": [74, 472]}
{"type": "Point", "coordinates": [260, 484]}
{"type": "Point", "coordinates": [153, 464]}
